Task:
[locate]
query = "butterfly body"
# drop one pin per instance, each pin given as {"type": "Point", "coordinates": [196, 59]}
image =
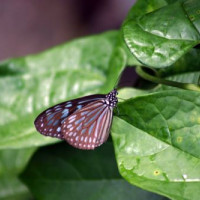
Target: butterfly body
{"type": "Point", "coordinates": [84, 122]}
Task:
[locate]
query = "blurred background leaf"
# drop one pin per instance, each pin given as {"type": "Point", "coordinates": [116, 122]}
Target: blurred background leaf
{"type": "Point", "coordinates": [75, 174]}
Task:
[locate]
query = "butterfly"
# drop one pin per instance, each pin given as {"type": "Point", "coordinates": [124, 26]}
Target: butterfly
{"type": "Point", "coordinates": [84, 122]}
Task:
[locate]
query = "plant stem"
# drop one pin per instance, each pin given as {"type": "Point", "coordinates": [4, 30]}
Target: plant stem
{"type": "Point", "coordinates": [186, 86]}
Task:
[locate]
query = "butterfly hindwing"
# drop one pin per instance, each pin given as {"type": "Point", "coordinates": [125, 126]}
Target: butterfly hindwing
{"type": "Point", "coordinates": [88, 127]}
{"type": "Point", "coordinates": [50, 121]}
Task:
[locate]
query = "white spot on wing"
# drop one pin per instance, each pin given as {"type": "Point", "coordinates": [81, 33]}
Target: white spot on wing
{"type": "Point", "coordinates": [79, 106]}
{"type": "Point", "coordinates": [58, 129]}
{"type": "Point", "coordinates": [72, 117]}
{"type": "Point", "coordinates": [68, 105]}
{"type": "Point", "coordinates": [48, 111]}
{"type": "Point", "coordinates": [70, 121]}
{"type": "Point", "coordinates": [74, 134]}
{"type": "Point", "coordinates": [69, 126]}
{"type": "Point", "coordinates": [57, 109]}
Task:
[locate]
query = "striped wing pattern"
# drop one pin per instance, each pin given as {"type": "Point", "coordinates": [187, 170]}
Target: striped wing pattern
{"type": "Point", "coordinates": [50, 121]}
{"type": "Point", "coordinates": [84, 122]}
{"type": "Point", "coordinates": [88, 127]}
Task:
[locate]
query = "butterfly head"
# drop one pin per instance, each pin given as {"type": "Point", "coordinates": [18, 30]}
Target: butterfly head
{"type": "Point", "coordinates": [111, 98]}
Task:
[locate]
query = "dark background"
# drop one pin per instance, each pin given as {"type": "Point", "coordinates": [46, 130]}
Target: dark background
{"type": "Point", "coordinates": [30, 26]}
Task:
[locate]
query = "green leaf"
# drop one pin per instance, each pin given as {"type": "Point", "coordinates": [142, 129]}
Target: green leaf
{"type": "Point", "coordinates": [127, 93]}
{"type": "Point", "coordinates": [157, 146]}
{"type": "Point", "coordinates": [11, 188]}
{"type": "Point", "coordinates": [142, 7]}
{"type": "Point", "coordinates": [30, 84]}
{"type": "Point", "coordinates": [190, 62]}
{"type": "Point", "coordinates": [190, 77]}
{"type": "Point", "coordinates": [171, 116]}
{"type": "Point", "coordinates": [160, 38]}
{"type": "Point", "coordinates": [75, 174]}
{"type": "Point", "coordinates": [120, 58]}
{"type": "Point", "coordinates": [12, 162]}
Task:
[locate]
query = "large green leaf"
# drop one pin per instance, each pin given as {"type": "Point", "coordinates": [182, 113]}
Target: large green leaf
{"type": "Point", "coordinates": [158, 145]}
{"type": "Point", "coordinates": [62, 172]}
{"type": "Point", "coordinates": [160, 38]}
{"type": "Point", "coordinates": [30, 84]}
{"type": "Point", "coordinates": [171, 116]}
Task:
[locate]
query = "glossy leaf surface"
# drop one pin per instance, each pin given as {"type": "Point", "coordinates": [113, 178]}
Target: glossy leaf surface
{"type": "Point", "coordinates": [160, 38]}
{"type": "Point", "coordinates": [157, 146]}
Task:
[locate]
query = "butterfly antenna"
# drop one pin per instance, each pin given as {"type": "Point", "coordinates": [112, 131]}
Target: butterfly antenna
{"type": "Point", "coordinates": [117, 81]}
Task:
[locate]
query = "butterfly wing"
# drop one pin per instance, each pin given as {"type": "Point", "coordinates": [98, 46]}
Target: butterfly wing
{"type": "Point", "coordinates": [50, 121]}
{"type": "Point", "coordinates": [88, 127]}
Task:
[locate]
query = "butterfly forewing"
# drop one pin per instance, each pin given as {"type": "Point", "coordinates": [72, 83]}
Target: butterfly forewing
{"type": "Point", "coordinates": [88, 127]}
{"type": "Point", "coordinates": [50, 121]}
{"type": "Point", "coordinates": [84, 122]}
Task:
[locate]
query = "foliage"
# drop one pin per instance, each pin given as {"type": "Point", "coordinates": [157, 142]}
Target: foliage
{"type": "Point", "coordinates": [156, 136]}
